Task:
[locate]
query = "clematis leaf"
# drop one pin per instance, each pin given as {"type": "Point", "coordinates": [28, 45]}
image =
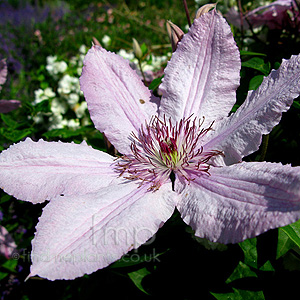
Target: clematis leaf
{"type": "Point", "coordinates": [257, 64]}
{"type": "Point", "coordinates": [293, 232]}
{"type": "Point", "coordinates": [15, 135]}
{"type": "Point", "coordinates": [10, 265]}
{"type": "Point", "coordinates": [284, 243]}
{"type": "Point", "coordinates": [255, 82]}
{"type": "Point", "coordinates": [241, 271]}
{"type": "Point", "coordinates": [242, 52]}
{"type": "Point", "coordinates": [240, 295]}
{"type": "Point", "coordinates": [64, 133]}
{"type": "Point", "coordinates": [250, 252]}
{"type": "Point", "coordinates": [267, 267]}
{"type": "Point", "coordinates": [155, 83]}
{"type": "Point", "coordinates": [138, 276]}
{"type": "Point", "coordinates": [296, 104]}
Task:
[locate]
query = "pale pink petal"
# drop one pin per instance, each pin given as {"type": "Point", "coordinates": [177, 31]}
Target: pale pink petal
{"type": "Point", "coordinates": [274, 15]}
{"type": "Point", "coordinates": [38, 171]}
{"type": "Point", "coordinates": [241, 133]}
{"type": "Point", "coordinates": [117, 99]}
{"type": "Point", "coordinates": [3, 72]}
{"type": "Point", "coordinates": [203, 73]}
{"type": "Point", "coordinates": [8, 105]}
{"type": "Point", "coordinates": [79, 235]}
{"type": "Point", "coordinates": [7, 244]}
{"type": "Point", "coordinates": [241, 201]}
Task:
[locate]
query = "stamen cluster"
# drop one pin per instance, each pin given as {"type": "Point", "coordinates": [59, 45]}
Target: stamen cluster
{"type": "Point", "coordinates": [161, 148]}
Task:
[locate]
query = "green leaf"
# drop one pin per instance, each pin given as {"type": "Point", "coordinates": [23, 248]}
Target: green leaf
{"type": "Point", "coordinates": [251, 53]}
{"type": "Point", "coordinates": [293, 232]}
{"type": "Point", "coordinates": [138, 276]}
{"type": "Point", "coordinates": [241, 271]}
{"type": "Point", "coordinates": [240, 295]}
{"type": "Point", "coordinates": [255, 82]}
{"type": "Point", "coordinates": [9, 121]}
{"type": "Point", "coordinates": [155, 83]}
{"type": "Point", "coordinates": [64, 132]}
{"type": "Point", "coordinates": [3, 275]}
{"type": "Point", "coordinates": [10, 265]}
{"type": "Point", "coordinates": [267, 267]}
{"type": "Point", "coordinates": [250, 252]}
{"type": "Point", "coordinates": [15, 135]}
{"type": "Point", "coordinates": [41, 77]}
{"type": "Point", "coordinates": [43, 106]}
{"type": "Point", "coordinates": [284, 243]}
{"type": "Point", "coordinates": [5, 198]}
{"type": "Point", "coordinates": [44, 85]}
{"type": "Point", "coordinates": [235, 107]}
{"type": "Point", "coordinates": [257, 64]}
{"type": "Point", "coordinates": [296, 104]}
{"type": "Point", "coordinates": [144, 49]}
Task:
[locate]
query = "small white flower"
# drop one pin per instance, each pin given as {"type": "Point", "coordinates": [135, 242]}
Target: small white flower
{"type": "Point", "coordinates": [56, 122]}
{"type": "Point", "coordinates": [73, 99]}
{"type": "Point", "coordinates": [80, 109]}
{"type": "Point", "coordinates": [55, 67]}
{"type": "Point", "coordinates": [51, 59]}
{"type": "Point", "coordinates": [41, 95]}
{"type": "Point", "coordinates": [106, 40]}
{"type": "Point", "coordinates": [83, 49]}
{"type": "Point", "coordinates": [68, 84]}
{"type": "Point", "coordinates": [61, 67]}
{"type": "Point", "coordinates": [48, 92]}
{"type": "Point", "coordinates": [126, 55]}
{"type": "Point", "coordinates": [38, 118]}
{"type": "Point", "coordinates": [73, 124]}
{"type": "Point", "coordinates": [58, 107]}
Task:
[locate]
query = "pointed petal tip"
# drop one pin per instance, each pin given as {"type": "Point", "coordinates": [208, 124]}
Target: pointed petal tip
{"type": "Point", "coordinates": [29, 276]}
{"type": "Point", "coordinates": [205, 9]}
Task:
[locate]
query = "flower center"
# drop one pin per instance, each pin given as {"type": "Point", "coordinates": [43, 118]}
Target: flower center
{"type": "Point", "coordinates": [162, 150]}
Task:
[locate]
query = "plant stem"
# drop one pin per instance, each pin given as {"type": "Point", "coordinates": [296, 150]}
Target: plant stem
{"type": "Point", "coordinates": [187, 13]}
{"type": "Point", "coordinates": [143, 74]}
{"type": "Point", "coordinates": [265, 142]}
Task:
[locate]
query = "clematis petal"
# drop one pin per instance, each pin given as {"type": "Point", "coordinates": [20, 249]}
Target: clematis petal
{"type": "Point", "coordinates": [117, 100]}
{"type": "Point", "coordinates": [38, 171]}
{"type": "Point", "coordinates": [79, 235]}
{"type": "Point", "coordinates": [8, 105]}
{"type": "Point", "coordinates": [242, 201]}
{"type": "Point", "coordinates": [7, 243]}
{"type": "Point", "coordinates": [203, 73]}
{"type": "Point", "coordinates": [3, 72]}
{"type": "Point", "coordinates": [241, 133]}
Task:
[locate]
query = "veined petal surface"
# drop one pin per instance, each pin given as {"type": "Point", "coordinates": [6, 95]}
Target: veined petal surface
{"type": "Point", "coordinates": [203, 73]}
{"type": "Point", "coordinates": [241, 201]}
{"type": "Point", "coordinates": [117, 99]}
{"type": "Point", "coordinates": [241, 133]}
{"type": "Point", "coordinates": [78, 235]}
{"type": "Point", "coordinates": [38, 171]}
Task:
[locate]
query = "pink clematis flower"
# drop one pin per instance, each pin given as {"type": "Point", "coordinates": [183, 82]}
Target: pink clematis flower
{"type": "Point", "coordinates": [274, 15]}
{"type": "Point", "coordinates": [184, 151]}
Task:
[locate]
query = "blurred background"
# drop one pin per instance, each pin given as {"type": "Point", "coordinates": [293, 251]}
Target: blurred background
{"type": "Point", "coordinates": [42, 46]}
